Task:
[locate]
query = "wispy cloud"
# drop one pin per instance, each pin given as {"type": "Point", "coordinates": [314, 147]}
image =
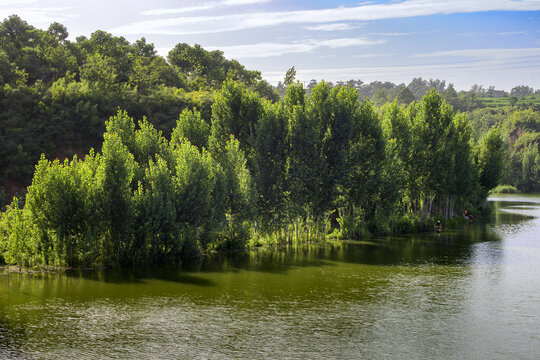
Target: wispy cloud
{"type": "Point", "coordinates": [362, 56]}
{"type": "Point", "coordinates": [485, 53]}
{"type": "Point", "coordinates": [17, 2]}
{"type": "Point", "coordinates": [394, 34]}
{"type": "Point", "coordinates": [40, 16]}
{"type": "Point", "coordinates": [201, 7]}
{"type": "Point", "coordinates": [404, 9]}
{"type": "Point", "coordinates": [512, 33]}
{"type": "Point", "coordinates": [334, 27]}
{"type": "Point", "coordinates": [268, 49]}
{"type": "Point", "coordinates": [469, 34]}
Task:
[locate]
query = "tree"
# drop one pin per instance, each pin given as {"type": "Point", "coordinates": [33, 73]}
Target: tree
{"type": "Point", "coordinates": [149, 145]}
{"type": "Point", "coordinates": [489, 160]}
{"type": "Point", "coordinates": [289, 76]}
{"type": "Point", "coordinates": [192, 127]}
{"type": "Point", "coordinates": [530, 168]}
{"type": "Point", "coordinates": [191, 60]}
{"type": "Point", "coordinates": [58, 31]}
{"type": "Point", "coordinates": [521, 91]}
{"type": "Point", "coordinates": [194, 179]}
{"type": "Point", "coordinates": [418, 86]}
{"type": "Point", "coordinates": [15, 232]}
{"type": "Point", "coordinates": [241, 195]}
{"type": "Point", "coordinates": [405, 96]}
{"type": "Point", "coordinates": [100, 72]}
{"type": "Point", "coordinates": [295, 95]}
{"type": "Point", "coordinates": [364, 157]}
{"type": "Point", "coordinates": [236, 111]}
{"type": "Point", "coordinates": [304, 163]}
{"type": "Point", "coordinates": [156, 237]}
{"type": "Point", "coordinates": [114, 177]}
{"type": "Point", "coordinates": [270, 159]}
{"type": "Point", "coordinates": [478, 90]}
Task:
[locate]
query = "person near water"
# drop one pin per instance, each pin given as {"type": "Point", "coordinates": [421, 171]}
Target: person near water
{"type": "Point", "coordinates": [439, 226]}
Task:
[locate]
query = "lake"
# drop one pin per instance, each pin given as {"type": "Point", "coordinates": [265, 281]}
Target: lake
{"type": "Point", "coordinates": [469, 293]}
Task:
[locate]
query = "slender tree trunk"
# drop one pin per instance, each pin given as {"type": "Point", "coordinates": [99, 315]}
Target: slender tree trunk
{"type": "Point", "coordinates": [296, 228]}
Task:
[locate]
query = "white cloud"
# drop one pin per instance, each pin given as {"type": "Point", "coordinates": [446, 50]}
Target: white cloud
{"type": "Point", "coordinates": [361, 56]}
{"type": "Point", "coordinates": [345, 42]}
{"type": "Point", "coordinates": [486, 53]}
{"type": "Point", "coordinates": [394, 34]}
{"type": "Point", "coordinates": [334, 27]}
{"type": "Point", "coordinates": [243, 2]}
{"type": "Point", "coordinates": [202, 7]}
{"type": "Point", "coordinates": [16, 2]}
{"type": "Point", "coordinates": [512, 33]}
{"type": "Point", "coordinates": [186, 9]}
{"type": "Point", "coordinates": [40, 16]}
{"type": "Point", "coordinates": [268, 49]}
{"type": "Point", "coordinates": [403, 9]}
{"type": "Point", "coordinates": [470, 34]}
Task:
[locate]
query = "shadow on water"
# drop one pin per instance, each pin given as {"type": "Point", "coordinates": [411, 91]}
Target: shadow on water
{"type": "Point", "coordinates": [270, 260]}
{"type": "Point", "coordinates": [133, 276]}
{"type": "Point", "coordinates": [449, 248]}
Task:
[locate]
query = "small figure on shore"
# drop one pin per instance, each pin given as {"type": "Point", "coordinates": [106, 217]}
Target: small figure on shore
{"type": "Point", "coordinates": [467, 215]}
{"type": "Point", "coordinates": [439, 226]}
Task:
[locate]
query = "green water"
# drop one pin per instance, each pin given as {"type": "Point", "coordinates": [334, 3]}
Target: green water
{"type": "Point", "coordinates": [470, 293]}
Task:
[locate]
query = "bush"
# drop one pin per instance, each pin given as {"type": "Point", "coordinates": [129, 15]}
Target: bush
{"type": "Point", "coordinates": [406, 224]}
{"type": "Point", "coordinates": [235, 236]}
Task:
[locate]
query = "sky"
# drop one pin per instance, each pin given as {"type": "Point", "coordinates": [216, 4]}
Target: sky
{"type": "Point", "coordinates": [465, 42]}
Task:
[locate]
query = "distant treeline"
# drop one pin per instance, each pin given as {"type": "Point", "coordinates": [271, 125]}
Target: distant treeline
{"type": "Point", "coordinates": [301, 169]}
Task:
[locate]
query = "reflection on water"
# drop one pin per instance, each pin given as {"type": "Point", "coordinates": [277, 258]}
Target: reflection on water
{"type": "Point", "coordinates": [466, 293]}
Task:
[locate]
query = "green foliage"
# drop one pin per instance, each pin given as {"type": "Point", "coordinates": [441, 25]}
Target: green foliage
{"type": "Point", "coordinates": [407, 223]}
{"type": "Point", "coordinates": [364, 156]}
{"type": "Point", "coordinates": [289, 76]}
{"type": "Point", "coordinates": [303, 168]}
{"type": "Point", "coordinates": [156, 238]}
{"type": "Point", "coordinates": [241, 195]}
{"type": "Point", "coordinates": [405, 96]}
{"type": "Point", "coordinates": [192, 127]}
{"type": "Point", "coordinates": [239, 167]}
{"type": "Point", "coordinates": [16, 230]}
{"type": "Point", "coordinates": [62, 90]}
{"type": "Point", "coordinates": [530, 169]}
{"type": "Point", "coordinates": [311, 165]}
{"type": "Point", "coordinates": [236, 111]}
{"type": "Point", "coordinates": [114, 177]}
{"type": "Point", "coordinates": [504, 189]}
{"type": "Point", "coordinates": [270, 162]}
{"type": "Point", "coordinates": [490, 160]}
{"type": "Point", "coordinates": [209, 69]}
{"type": "Point", "coordinates": [100, 72]}
{"type": "Point", "coordinates": [195, 178]}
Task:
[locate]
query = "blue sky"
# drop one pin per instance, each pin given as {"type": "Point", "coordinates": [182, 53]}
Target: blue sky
{"type": "Point", "coordinates": [465, 42]}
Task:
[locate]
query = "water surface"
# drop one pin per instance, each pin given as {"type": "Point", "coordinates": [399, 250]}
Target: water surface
{"type": "Point", "coordinates": [469, 293]}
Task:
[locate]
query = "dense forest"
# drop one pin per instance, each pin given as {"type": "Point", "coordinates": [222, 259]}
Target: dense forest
{"type": "Point", "coordinates": [55, 94]}
{"type": "Point", "coordinates": [199, 153]}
